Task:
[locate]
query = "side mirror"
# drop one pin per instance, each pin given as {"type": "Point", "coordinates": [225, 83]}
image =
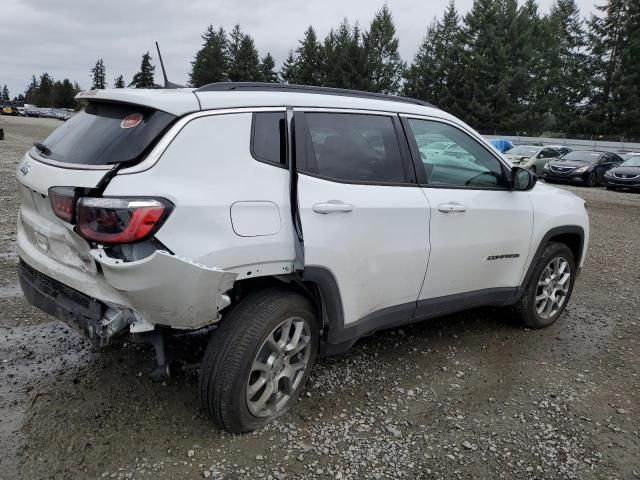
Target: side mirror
{"type": "Point", "coordinates": [522, 179]}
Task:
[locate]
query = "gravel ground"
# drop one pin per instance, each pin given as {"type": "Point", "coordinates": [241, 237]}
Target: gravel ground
{"type": "Point", "coordinates": [471, 395]}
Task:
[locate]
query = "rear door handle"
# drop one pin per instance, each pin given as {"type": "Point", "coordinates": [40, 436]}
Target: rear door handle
{"type": "Point", "coordinates": [332, 207]}
{"type": "Point", "coordinates": [452, 207]}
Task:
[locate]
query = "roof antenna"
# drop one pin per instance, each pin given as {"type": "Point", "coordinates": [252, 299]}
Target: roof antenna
{"type": "Point", "coordinates": [167, 83]}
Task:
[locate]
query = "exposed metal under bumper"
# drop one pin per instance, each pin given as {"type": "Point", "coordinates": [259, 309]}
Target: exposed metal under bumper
{"type": "Point", "coordinates": [76, 309]}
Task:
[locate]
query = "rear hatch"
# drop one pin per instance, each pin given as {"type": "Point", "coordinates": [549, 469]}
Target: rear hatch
{"type": "Point", "coordinates": [79, 154]}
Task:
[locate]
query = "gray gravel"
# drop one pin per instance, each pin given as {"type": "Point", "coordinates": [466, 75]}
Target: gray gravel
{"type": "Point", "coordinates": [471, 395]}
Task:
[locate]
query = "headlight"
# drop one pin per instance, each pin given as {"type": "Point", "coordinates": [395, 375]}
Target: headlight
{"type": "Point", "coordinates": [608, 174]}
{"type": "Point", "coordinates": [582, 169]}
{"type": "Point", "coordinates": [546, 167]}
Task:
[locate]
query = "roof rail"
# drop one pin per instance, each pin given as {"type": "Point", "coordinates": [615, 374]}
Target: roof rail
{"type": "Point", "coordinates": [283, 87]}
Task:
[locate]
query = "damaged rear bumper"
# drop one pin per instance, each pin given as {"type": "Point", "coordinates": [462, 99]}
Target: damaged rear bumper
{"type": "Point", "coordinates": [161, 289]}
{"type": "Point", "coordinates": [169, 290]}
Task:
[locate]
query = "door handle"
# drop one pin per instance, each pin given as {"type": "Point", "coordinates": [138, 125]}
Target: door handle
{"type": "Point", "coordinates": [332, 207]}
{"type": "Point", "coordinates": [452, 207]}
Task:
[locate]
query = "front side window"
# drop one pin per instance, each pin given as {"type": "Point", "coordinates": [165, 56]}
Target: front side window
{"type": "Point", "coordinates": [354, 147]}
{"type": "Point", "coordinates": [463, 164]}
{"type": "Point", "coordinates": [268, 137]}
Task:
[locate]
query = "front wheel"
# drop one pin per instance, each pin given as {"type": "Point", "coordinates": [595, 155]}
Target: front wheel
{"type": "Point", "coordinates": [549, 288]}
{"type": "Point", "coordinates": [592, 180]}
{"type": "Point", "coordinates": [259, 359]}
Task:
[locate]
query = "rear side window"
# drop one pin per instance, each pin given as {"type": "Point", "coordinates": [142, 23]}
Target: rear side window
{"type": "Point", "coordinates": [354, 147]}
{"type": "Point", "coordinates": [268, 137]}
{"type": "Point", "coordinates": [106, 133]}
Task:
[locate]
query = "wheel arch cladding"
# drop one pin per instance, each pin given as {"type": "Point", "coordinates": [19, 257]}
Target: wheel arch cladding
{"type": "Point", "coordinates": [570, 235]}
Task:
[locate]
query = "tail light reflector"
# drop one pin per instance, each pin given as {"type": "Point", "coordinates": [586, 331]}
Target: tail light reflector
{"type": "Point", "coordinates": [63, 200]}
{"type": "Point", "coordinates": [120, 220]}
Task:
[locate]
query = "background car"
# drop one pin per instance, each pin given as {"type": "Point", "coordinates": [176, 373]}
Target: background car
{"type": "Point", "coordinates": [9, 110]}
{"type": "Point", "coordinates": [563, 149]}
{"type": "Point", "coordinates": [582, 166]}
{"type": "Point", "coordinates": [531, 157]}
{"type": "Point", "coordinates": [627, 175]}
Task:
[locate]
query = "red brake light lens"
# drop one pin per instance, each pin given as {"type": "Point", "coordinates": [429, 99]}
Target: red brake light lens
{"type": "Point", "coordinates": [63, 201]}
{"type": "Point", "coordinates": [120, 220]}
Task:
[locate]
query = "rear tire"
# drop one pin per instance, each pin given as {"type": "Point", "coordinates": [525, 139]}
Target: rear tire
{"type": "Point", "coordinates": [549, 288]}
{"type": "Point", "coordinates": [252, 371]}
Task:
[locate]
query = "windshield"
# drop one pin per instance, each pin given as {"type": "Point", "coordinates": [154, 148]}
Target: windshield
{"type": "Point", "coordinates": [105, 133]}
{"type": "Point", "coordinates": [589, 157]}
{"type": "Point", "coordinates": [632, 162]}
{"type": "Point", "coordinates": [524, 151]}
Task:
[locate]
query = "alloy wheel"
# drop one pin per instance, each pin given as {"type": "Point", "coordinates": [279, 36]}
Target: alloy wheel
{"type": "Point", "coordinates": [279, 367]}
{"type": "Point", "coordinates": [553, 287]}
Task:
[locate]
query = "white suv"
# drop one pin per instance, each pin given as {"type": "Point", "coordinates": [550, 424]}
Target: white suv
{"type": "Point", "coordinates": [297, 218]}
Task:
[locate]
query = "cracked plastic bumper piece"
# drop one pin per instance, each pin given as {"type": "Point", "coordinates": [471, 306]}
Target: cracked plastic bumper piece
{"type": "Point", "coordinates": [168, 290]}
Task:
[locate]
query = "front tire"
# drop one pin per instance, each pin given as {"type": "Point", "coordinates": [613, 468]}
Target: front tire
{"type": "Point", "coordinates": [592, 180]}
{"type": "Point", "coordinates": [258, 360]}
{"type": "Point", "coordinates": [549, 288]}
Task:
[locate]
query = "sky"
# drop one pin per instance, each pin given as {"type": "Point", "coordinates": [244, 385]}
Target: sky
{"type": "Point", "coordinates": [66, 37]}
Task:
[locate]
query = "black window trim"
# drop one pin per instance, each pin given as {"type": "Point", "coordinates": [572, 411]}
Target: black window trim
{"type": "Point", "coordinates": [302, 131]}
{"type": "Point", "coordinates": [417, 160]}
{"type": "Point", "coordinates": [253, 136]}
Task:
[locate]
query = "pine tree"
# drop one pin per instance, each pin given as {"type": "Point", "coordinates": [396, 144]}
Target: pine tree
{"type": "Point", "coordinates": [384, 67]}
{"type": "Point", "coordinates": [5, 93]}
{"type": "Point", "coordinates": [267, 69]}
{"type": "Point", "coordinates": [98, 76]}
{"type": "Point", "coordinates": [119, 82]}
{"type": "Point", "coordinates": [564, 67]}
{"type": "Point", "coordinates": [343, 58]}
{"type": "Point", "coordinates": [613, 40]}
{"type": "Point", "coordinates": [211, 61]}
{"type": "Point", "coordinates": [628, 91]}
{"type": "Point", "coordinates": [245, 63]}
{"type": "Point", "coordinates": [308, 66]}
{"type": "Point", "coordinates": [44, 97]}
{"type": "Point", "coordinates": [435, 73]}
{"type": "Point", "coordinates": [65, 94]}
{"type": "Point", "coordinates": [31, 91]}
{"type": "Point", "coordinates": [288, 70]}
{"type": "Point", "coordinates": [144, 78]}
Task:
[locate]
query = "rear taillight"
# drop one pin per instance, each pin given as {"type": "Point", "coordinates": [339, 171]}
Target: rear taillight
{"type": "Point", "coordinates": [120, 220]}
{"type": "Point", "coordinates": [63, 200]}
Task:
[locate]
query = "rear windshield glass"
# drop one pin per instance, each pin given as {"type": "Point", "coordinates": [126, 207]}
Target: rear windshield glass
{"type": "Point", "coordinates": [105, 133]}
{"type": "Point", "coordinates": [590, 157]}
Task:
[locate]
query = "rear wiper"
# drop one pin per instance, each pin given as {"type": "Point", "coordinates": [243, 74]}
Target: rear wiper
{"type": "Point", "coordinates": [42, 148]}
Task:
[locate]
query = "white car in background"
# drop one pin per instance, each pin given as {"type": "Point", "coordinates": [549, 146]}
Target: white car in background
{"type": "Point", "coordinates": [296, 218]}
{"type": "Point", "coordinates": [532, 157]}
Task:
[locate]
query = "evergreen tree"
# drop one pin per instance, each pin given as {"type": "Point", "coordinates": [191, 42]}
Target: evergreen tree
{"type": "Point", "coordinates": [384, 67]}
{"type": "Point", "coordinates": [98, 76]}
{"type": "Point", "coordinates": [344, 59]}
{"type": "Point", "coordinates": [564, 67]}
{"type": "Point", "coordinates": [211, 61]}
{"type": "Point", "coordinates": [144, 78]}
{"type": "Point", "coordinates": [5, 93]}
{"type": "Point", "coordinates": [497, 63]}
{"type": "Point", "coordinates": [63, 94]}
{"type": "Point", "coordinates": [245, 63]}
{"type": "Point", "coordinates": [308, 66]}
{"type": "Point", "coordinates": [267, 69]}
{"type": "Point", "coordinates": [119, 82]}
{"type": "Point", "coordinates": [288, 70]}
{"type": "Point", "coordinates": [31, 91]}
{"type": "Point", "coordinates": [44, 97]}
{"type": "Point", "coordinates": [435, 75]}
{"type": "Point", "coordinates": [614, 40]}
